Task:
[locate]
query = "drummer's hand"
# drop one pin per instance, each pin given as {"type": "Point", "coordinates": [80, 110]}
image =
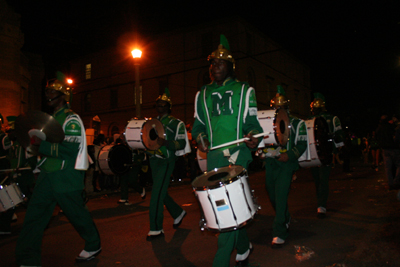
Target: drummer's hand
{"type": "Point", "coordinates": [35, 140]}
{"type": "Point", "coordinates": [206, 146]}
{"type": "Point", "coordinates": [161, 141]}
{"type": "Point", "coordinates": [283, 157]}
{"type": "Point", "coordinates": [253, 142]}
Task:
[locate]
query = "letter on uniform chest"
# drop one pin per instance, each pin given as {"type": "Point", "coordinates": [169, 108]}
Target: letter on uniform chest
{"type": "Point", "coordinates": [222, 104]}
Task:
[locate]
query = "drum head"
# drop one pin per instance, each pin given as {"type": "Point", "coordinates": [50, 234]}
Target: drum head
{"type": "Point", "coordinates": [151, 130]}
{"type": "Point", "coordinates": [218, 177]}
{"type": "Point", "coordinates": [281, 126]}
{"type": "Point", "coordinates": [323, 140]}
{"type": "Point", "coordinates": [120, 159]}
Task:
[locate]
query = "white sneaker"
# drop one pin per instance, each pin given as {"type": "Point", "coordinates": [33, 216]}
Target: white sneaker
{"type": "Point", "coordinates": [278, 241]}
{"type": "Point", "coordinates": [321, 210]}
{"type": "Point", "coordinates": [178, 220]}
{"type": "Point", "coordinates": [87, 255]}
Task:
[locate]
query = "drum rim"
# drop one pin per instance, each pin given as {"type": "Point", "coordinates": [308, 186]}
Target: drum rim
{"type": "Point", "coordinates": [219, 184]}
{"type": "Point", "coordinates": [141, 132]}
{"type": "Point", "coordinates": [108, 159]}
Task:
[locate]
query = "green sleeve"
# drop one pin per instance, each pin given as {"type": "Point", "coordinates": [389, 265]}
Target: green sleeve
{"type": "Point", "coordinates": [180, 141]}
{"type": "Point", "coordinates": [298, 149]}
{"type": "Point", "coordinates": [199, 127]}
{"type": "Point", "coordinates": [64, 150]}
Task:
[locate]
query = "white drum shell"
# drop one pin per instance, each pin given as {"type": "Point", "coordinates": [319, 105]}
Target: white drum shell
{"type": "Point", "coordinates": [221, 204]}
{"type": "Point", "coordinates": [103, 159]}
{"type": "Point", "coordinates": [310, 156]}
{"type": "Point", "coordinates": [266, 119]}
{"type": "Point", "coordinates": [10, 196]}
{"type": "Point", "coordinates": [133, 134]}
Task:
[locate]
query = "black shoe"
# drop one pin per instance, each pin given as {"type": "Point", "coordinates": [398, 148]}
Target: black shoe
{"type": "Point", "coordinates": [179, 220]}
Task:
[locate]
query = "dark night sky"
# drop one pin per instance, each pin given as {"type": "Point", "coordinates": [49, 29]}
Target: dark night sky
{"type": "Point", "coordinates": [352, 47]}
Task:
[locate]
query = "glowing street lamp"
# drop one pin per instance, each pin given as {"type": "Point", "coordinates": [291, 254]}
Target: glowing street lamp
{"type": "Point", "coordinates": [137, 54]}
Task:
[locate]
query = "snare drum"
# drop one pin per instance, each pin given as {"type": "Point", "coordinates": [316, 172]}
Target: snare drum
{"type": "Point", "coordinates": [319, 144]}
{"type": "Point", "coordinates": [225, 198]}
{"type": "Point", "coordinates": [143, 134]}
{"type": "Point", "coordinates": [10, 196]}
{"type": "Point", "coordinates": [114, 159]}
{"type": "Point", "coordinates": [276, 123]}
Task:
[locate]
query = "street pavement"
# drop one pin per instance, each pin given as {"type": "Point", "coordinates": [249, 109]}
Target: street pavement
{"type": "Point", "coordinates": [362, 228]}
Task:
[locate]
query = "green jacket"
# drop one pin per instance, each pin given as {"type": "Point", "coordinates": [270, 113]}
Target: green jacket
{"type": "Point", "coordinates": [59, 158]}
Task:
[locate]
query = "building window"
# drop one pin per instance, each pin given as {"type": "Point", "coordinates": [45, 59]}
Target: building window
{"type": "Point", "coordinates": [88, 71]}
{"type": "Point", "coordinates": [88, 102]}
{"type": "Point", "coordinates": [114, 98]}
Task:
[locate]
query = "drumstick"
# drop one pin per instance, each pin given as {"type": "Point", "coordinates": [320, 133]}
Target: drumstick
{"type": "Point", "coordinates": [202, 141]}
{"type": "Point", "coordinates": [240, 140]}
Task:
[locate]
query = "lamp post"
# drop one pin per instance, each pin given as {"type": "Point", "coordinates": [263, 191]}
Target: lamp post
{"type": "Point", "coordinates": [137, 54]}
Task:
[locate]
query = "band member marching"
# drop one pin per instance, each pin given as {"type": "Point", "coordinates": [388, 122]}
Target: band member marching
{"type": "Point", "coordinates": [321, 173]}
{"type": "Point", "coordinates": [280, 164]}
{"type": "Point", "coordinates": [162, 163]}
{"type": "Point", "coordinates": [226, 110]}
{"type": "Point", "coordinates": [61, 181]}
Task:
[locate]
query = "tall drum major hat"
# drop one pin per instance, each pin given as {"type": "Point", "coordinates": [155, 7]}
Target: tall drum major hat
{"type": "Point", "coordinates": [223, 51]}
{"type": "Point", "coordinates": [280, 99]}
{"type": "Point", "coordinates": [318, 102]}
{"type": "Point", "coordinates": [60, 84]}
{"type": "Point", "coordinates": [165, 97]}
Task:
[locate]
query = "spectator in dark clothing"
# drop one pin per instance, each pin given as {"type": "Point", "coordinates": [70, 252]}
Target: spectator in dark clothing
{"type": "Point", "coordinates": [391, 151]}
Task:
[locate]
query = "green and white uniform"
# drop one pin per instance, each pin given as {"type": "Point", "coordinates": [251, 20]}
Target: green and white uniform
{"type": "Point", "coordinates": [321, 173]}
{"type": "Point", "coordinates": [278, 175]}
{"type": "Point", "coordinates": [223, 114]}
{"type": "Point", "coordinates": [61, 181]}
{"type": "Point", "coordinates": [162, 163]}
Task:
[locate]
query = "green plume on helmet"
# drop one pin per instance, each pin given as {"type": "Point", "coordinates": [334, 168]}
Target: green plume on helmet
{"type": "Point", "coordinates": [223, 51]}
{"type": "Point", "coordinates": [165, 97]}
{"type": "Point", "coordinates": [281, 91]}
{"type": "Point", "coordinates": [224, 42]}
{"type": "Point", "coordinates": [319, 96]}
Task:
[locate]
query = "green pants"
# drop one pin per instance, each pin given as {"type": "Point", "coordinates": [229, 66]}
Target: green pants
{"type": "Point", "coordinates": [130, 179]}
{"type": "Point", "coordinates": [40, 210]}
{"type": "Point", "coordinates": [321, 180]}
{"type": "Point", "coordinates": [278, 177]}
{"type": "Point", "coordinates": [238, 239]}
{"type": "Point", "coordinates": [161, 172]}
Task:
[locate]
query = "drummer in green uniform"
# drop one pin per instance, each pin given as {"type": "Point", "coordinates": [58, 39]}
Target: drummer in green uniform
{"type": "Point", "coordinates": [225, 111]}
{"type": "Point", "coordinates": [162, 163]}
{"type": "Point", "coordinates": [5, 144]}
{"type": "Point", "coordinates": [321, 173]}
{"type": "Point", "coordinates": [61, 181]}
{"type": "Point", "coordinates": [281, 161]}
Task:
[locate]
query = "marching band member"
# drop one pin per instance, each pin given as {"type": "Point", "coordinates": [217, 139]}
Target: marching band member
{"type": "Point", "coordinates": [280, 165]}
{"type": "Point", "coordinates": [321, 173]}
{"type": "Point", "coordinates": [61, 181]}
{"type": "Point", "coordinates": [226, 110]}
{"type": "Point", "coordinates": [5, 144]}
{"type": "Point", "coordinates": [162, 163]}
